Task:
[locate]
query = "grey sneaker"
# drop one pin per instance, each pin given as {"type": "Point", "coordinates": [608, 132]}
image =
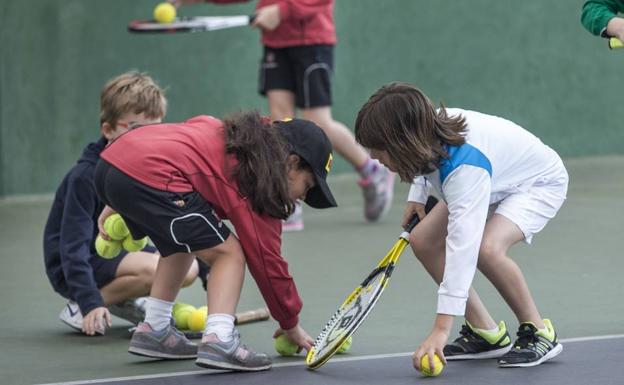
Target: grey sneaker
{"type": "Point", "coordinates": [168, 343]}
{"type": "Point", "coordinates": [378, 189]}
{"type": "Point", "coordinates": [215, 354]}
{"type": "Point", "coordinates": [72, 317]}
{"type": "Point", "coordinates": [132, 310]}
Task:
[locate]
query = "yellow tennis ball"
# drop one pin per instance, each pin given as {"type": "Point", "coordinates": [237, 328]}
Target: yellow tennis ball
{"type": "Point", "coordinates": [164, 13]}
{"type": "Point", "coordinates": [284, 347]}
{"type": "Point", "coordinates": [203, 308]}
{"type": "Point", "coordinates": [426, 370]}
{"type": "Point", "coordinates": [116, 227]}
{"type": "Point", "coordinates": [197, 320]}
{"type": "Point", "coordinates": [131, 245]}
{"type": "Point", "coordinates": [107, 249]}
{"type": "Point", "coordinates": [182, 317]}
{"type": "Point", "coordinates": [179, 306]}
{"type": "Point", "coordinates": [345, 346]}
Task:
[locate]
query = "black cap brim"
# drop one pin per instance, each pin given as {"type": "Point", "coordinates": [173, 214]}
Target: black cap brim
{"type": "Point", "coordinates": [320, 196]}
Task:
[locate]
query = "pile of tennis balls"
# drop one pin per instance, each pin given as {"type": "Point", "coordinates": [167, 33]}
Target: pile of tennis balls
{"type": "Point", "coordinates": [120, 236]}
{"type": "Point", "coordinates": [187, 317]}
{"type": "Point", "coordinates": [428, 371]}
{"type": "Point", "coordinates": [286, 348]}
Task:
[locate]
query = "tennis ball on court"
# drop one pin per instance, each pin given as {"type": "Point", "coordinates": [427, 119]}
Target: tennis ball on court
{"type": "Point", "coordinates": [107, 249]}
{"type": "Point", "coordinates": [197, 320]}
{"type": "Point", "coordinates": [437, 366]}
{"type": "Point", "coordinates": [131, 245]}
{"type": "Point", "coordinates": [164, 13]}
{"type": "Point", "coordinates": [284, 347]}
{"type": "Point", "coordinates": [345, 346]}
{"type": "Point", "coordinates": [182, 316]}
{"type": "Point", "coordinates": [116, 227]}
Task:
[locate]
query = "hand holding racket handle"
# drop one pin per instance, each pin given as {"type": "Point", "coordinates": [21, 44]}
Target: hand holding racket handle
{"type": "Point", "coordinates": [412, 223]}
{"type": "Point", "coordinates": [615, 43]}
{"type": "Point", "coordinates": [431, 201]}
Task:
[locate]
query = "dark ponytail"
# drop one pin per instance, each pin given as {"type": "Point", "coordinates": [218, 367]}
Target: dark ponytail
{"type": "Point", "coordinates": [261, 171]}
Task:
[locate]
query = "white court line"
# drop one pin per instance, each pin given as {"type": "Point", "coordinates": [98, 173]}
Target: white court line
{"type": "Point", "coordinates": [298, 363]}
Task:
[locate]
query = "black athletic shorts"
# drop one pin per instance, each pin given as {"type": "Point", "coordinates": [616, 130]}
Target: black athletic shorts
{"type": "Point", "coordinates": [175, 222]}
{"type": "Point", "coordinates": [306, 70]}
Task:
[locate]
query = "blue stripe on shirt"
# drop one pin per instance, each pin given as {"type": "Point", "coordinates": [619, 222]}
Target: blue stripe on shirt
{"type": "Point", "coordinates": [460, 155]}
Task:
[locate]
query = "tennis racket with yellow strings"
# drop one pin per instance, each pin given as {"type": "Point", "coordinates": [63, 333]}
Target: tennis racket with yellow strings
{"type": "Point", "coordinates": [360, 302]}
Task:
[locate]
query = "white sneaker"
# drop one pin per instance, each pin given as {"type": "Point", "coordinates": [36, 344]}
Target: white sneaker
{"type": "Point", "coordinates": [72, 317]}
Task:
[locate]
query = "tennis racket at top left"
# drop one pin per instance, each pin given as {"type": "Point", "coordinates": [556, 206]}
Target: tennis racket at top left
{"type": "Point", "coordinates": [190, 24]}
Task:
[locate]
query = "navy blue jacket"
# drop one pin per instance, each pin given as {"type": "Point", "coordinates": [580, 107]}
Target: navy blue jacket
{"type": "Point", "coordinates": [69, 236]}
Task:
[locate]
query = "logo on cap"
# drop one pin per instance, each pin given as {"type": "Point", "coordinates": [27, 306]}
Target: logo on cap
{"type": "Point", "coordinates": [328, 165]}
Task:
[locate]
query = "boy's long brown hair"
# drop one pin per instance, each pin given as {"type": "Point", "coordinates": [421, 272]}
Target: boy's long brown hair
{"type": "Point", "coordinates": [261, 171]}
{"type": "Point", "coordinates": [402, 121]}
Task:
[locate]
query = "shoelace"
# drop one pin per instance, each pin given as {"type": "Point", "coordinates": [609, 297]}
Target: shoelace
{"type": "Point", "coordinates": [526, 336]}
{"type": "Point", "coordinates": [467, 333]}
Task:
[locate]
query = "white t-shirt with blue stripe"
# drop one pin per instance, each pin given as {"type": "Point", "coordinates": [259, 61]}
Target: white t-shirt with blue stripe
{"type": "Point", "coordinates": [499, 158]}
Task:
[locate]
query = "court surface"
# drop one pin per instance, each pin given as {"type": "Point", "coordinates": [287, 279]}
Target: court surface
{"type": "Point", "coordinates": [573, 269]}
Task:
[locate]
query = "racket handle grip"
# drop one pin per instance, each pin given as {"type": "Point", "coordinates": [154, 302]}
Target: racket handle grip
{"type": "Point", "coordinates": [412, 223]}
{"type": "Point", "coordinates": [431, 202]}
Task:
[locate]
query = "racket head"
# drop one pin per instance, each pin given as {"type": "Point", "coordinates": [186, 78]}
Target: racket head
{"type": "Point", "coordinates": [189, 24]}
{"type": "Point", "coordinates": [346, 320]}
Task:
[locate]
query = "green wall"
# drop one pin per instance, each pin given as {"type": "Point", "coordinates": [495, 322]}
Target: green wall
{"type": "Point", "coordinates": [530, 61]}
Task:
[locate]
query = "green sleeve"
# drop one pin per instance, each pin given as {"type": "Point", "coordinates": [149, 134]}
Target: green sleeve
{"type": "Point", "coordinates": [597, 13]}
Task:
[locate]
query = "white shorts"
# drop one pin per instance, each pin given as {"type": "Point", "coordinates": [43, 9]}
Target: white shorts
{"type": "Point", "coordinates": [531, 209]}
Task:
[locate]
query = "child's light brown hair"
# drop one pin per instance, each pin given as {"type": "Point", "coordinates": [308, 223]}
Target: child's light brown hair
{"type": "Point", "coordinates": [131, 92]}
{"type": "Point", "coordinates": [402, 121]}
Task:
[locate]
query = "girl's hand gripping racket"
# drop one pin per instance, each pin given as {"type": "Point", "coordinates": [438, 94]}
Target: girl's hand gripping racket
{"type": "Point", "coordinates": [359, 303]}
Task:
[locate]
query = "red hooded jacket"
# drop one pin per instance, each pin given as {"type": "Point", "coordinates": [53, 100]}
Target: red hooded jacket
{"type": "Point", "coordinates": [303, 22]}
{"type": "Point", "coordinates": [182, 157]}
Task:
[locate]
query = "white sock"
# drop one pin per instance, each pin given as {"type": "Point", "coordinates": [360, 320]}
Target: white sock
{"type": "Point", "coordinates": [222, 325]}
{"type": "Point", "coordinates": [158, 313]}
{"type": "Point", "coordinates": [488, 331]}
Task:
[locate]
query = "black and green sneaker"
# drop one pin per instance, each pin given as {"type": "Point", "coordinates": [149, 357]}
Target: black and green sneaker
{"type": "Point", "coordinates": [472, 345]}
{"type": "Point", "coordinates": [532, 347]}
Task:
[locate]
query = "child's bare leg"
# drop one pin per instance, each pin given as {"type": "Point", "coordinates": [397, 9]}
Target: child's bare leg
{"type": "Point", "coordinates": [428, 240]}
{"type": "Point", "coordinates": [500, 234]}
{"type": "Point", "coordinates": [227, 273]}
{"type": "Point", "coordinates": [134, 277]}
{"type": "Point", "coordinates": [281, 104]}
{"type": "Point", "coordinates": [170, 274]}
{"type": "Point", "coordinates": [339, 135]}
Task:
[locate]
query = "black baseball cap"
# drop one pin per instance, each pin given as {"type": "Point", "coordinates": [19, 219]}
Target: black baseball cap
{"type": "Point", "coordinates": [307, 140]}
